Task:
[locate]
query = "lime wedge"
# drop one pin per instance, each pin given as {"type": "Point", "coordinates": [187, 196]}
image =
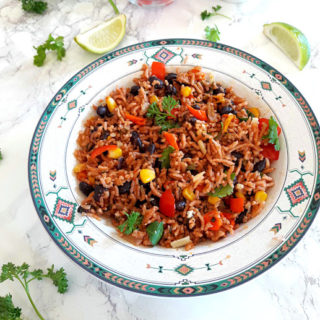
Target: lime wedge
{"type": "Point", "coordinates": [104, 37]}
{"type": "Point", "coordinates": [290, 40]}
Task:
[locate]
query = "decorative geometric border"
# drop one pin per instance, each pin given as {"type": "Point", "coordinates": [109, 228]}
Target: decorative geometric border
{"type": "Point", "coordinates": [114, 279]}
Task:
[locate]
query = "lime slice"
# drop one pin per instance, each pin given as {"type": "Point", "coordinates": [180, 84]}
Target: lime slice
{"type": "Point", "coordinates": [104, 37]}
{"type": "Point", "coordinates": [290, 40]}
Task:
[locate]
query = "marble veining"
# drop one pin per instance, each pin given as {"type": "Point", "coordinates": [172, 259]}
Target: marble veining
{"type": "Point", "coordinates": [289, 291]}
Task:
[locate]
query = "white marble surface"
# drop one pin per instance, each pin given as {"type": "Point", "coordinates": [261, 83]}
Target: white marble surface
{"type": "Point", "coordinates": [289, 291]}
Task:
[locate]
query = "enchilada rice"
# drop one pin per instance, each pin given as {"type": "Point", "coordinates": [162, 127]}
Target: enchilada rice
{"type": "Point", "coordinates": [175, 159]}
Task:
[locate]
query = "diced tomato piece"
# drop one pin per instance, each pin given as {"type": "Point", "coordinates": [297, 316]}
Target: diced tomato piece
{"type": "Point", "coordinates": [167, 204]}
{"type": "Point", "coordinates": [158, 69]}
{"type": "Point", "coordinates": [266, 121]}
{"type": "Point", "coordinates": [270, 152]}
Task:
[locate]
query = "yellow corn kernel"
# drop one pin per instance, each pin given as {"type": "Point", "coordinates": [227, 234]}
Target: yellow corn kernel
{"type": "Point", "coordinates": [213, 200]}
{"type": "Point", "coordinates": [111, 104]}
{"type": "Point", "coordinates": [188, 194]}
{"type": "Point", "coordinates": [91, 180]}
{"type": "Point", "coordinates": [79, 167]}
{"type": "Point", "coordinates": [147, 175]}
{"type": "Point", "coordinates": [239, 194]}
{"type": "Point", "coordinates": [186, 91]}
{"type": "Point", "coordinates": [153, 99]}
{"type": "Point", "coordinates": [227, 122]}
{"type": "Point", "coordinates": [115, 154]}
{"type": "Point", "coordinates": [260, 196]}
{"type": "Point", "coordinates": [255, 112]}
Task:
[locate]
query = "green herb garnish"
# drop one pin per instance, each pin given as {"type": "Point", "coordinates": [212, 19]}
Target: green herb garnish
{"type": "Point", "coordinates": [272, 135]}
{"type": "Point", "coordinates": [132, 223]}
{"type": "Point", "coordinates": [220, 132]}
{"type": "Point", "coordinates": [7, 310]}
{"type": "Point", "coordinates": [1, 157]}
{"type": "Point", "coordinates": [212, 34]}
{"type": "Point", "coordinates": [34, 6]}
{"type": "Point", "coordinates": [165, 157]}
{"type": "Point", "coordinates": [206, 14]}
{"type": "Point", "coordinates": [155, 231]}
{"type": "Point", "coordinates": [53, 44]}
{"type": "Point", "coordinates": [25, 276]}
{"type": "Point", "coordinates": [161, 118]}
{"type": "Point", "coordinates": [250, 114]}
{"type": "Point", "coordinates": [222, 192]}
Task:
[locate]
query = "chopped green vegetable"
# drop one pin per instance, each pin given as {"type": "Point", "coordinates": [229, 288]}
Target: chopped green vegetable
{"type": "Point", "coordinates": [7, 310]}
{"type": "Point", "coordinates": [273, 134]}
{"type": "Point", "coordinates": [161, 118]}
{"type": "Point", "coordinates": [165, 157]}
{"type": "Point", "coordinates": [206, 14]}
{"type": "Point", "coordinates": [155, 231]}
{"type": "Point", "coordinates": [222, 192]}
{"type": "Point", "coordinates": [131, 224]}
{"type": "Point", "coordinates": [34, 6]}
{"type": "Point", "coordinates": [53, 44]}
{"type": "Point", "coordinates": [25, 276]}
{"type": "Point", "coordinates": [212, 34]}
{"type": "Point", "coordinates": [250, 114]}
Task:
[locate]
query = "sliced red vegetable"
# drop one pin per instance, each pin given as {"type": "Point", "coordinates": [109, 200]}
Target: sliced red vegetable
{"type": "Point", "coordinates": [158, 69]}
{"type": "Point", "coordinates": [81, 176]}
{"type": "Point", "coordinates": [214, 220]}
{"type": "Point", "coordinates": [236, 205]}
{"type": "Point", "coordinates": [167, 203]}
{"type": "Point", "coordinates": [229, 217]}
{"type": "Point", "coordinates": [270, 152]}
{"type": "Point", "coordinates": [137, 120]}
{"type": "Point", "coordinates": [265, 121]}
{"type": "Point", "coordinates": [96, 152]}
{"type": "Point", "coordinates": [199, 114]}
{"type": "Point", "coordinates": [171, 139]}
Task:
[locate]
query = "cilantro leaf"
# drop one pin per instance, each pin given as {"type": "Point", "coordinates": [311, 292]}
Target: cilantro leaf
{"type": "Point", "coordinates": [273, 133]}
{"type": "Point", "coordinates": [165, 157]}
{"type": "Point", "coordinates": [132, 223]}
{"type": "Point", "coordinates": [155, 231]}
{"type": "Point", "coordinates": [212, 34]}
{"type": "Point", "coordinates": [7, 309]}
{"type": "Point", "coordinates": [206, 14]}
{"type": "Point", "coordinates": [223, 191]}
{"type": "Point", "coordinates": [51, 44]}
{"type": "Point", "coordinates": [34, 6]}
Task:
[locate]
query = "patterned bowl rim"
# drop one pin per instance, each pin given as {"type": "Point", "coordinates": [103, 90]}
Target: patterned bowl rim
{"type": "Point", "coordinates": [196, 290]}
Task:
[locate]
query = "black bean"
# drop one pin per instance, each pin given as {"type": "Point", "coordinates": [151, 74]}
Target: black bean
{"type": "Point", "coordinates": [194, 172]}
{"type": "Point", "coordinates": [180, 205]}
{"type": "Point", "coordinates": [170, 77]}
{"type": "Point", "coordinates": [187, 155]}
{"type": "Point", "coordinates": [81, 209]}
{"type": "Point", "coordinates": [104, 135]}
{"type": "Point", "coordinates": [98, 192]}
{"type": "Point", "coordinates": [171, 90]}
{"type": "Point", "coordinates": [193, 120]}
{"type": "Point", "coordinates": [151, 148]}
{"type": "Point", "coordinates": [218, 90]}
{"type": "Point", "coordinates": [259, 166]}
{"type": "Point", "coordinates": [140, 203]}
{"type": "Point", "coordinates": [85, 188]}
{"type": "Point", "coordinates": [146, 186]}
{"type": "Point", "coordinates": [226, 110]}
{"type": "Point", "coordinates": [158, 84]}
{"type": "Point", "coordinates": [120, 163]}
{"type": "Point", "coordinates": [243, 168]}
{"type": "Point", "coordinates": [135, 90]}
{"type": "Point", "coordinates": [134, 135]}
{"type": "Point", "coordinates": [196, 107]}
{"type": "Point", "coordinates": [137, 141]}
{"type": "Point", "coordinates": [237, 154]}
{"type": "Point", "coordinates": [180, 220]}
{"type": "Point", "coordinates": [158, 163]}
{"type": "Point", "coordinates": [102, 111]}
{"type": "Point", "coordinates": [240, 217]}
{"type": "Point", "coordinates": [125, 188]}
{"type": "Point", "coordinates": [154, 201]}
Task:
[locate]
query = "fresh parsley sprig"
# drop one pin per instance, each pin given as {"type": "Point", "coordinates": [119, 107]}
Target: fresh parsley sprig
{"type": "Point", "coordinates": [132, 223]}
{"type": "Point", "coordinates": [206, 14]}
{"type": "Point", "coordinates": [272, 135]}
{"type": "Point", "coordinates": [34, 6]}
{"type": "Point", "coordinates": [51, 44]}
{"type": "Point", "coordinates": [7, 309]}
{"type": "Point", "coordinates": [162, 118]}
{"type": "Point", "coordinates": [212, 34]}
{"type": "Point", "coordinates": [23, 274]}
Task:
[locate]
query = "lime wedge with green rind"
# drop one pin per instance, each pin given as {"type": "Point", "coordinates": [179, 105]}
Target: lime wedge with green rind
{"type": "Point", "coordinates": [104, 37]}
{"type": "Point", "coordinates": [290, 40]}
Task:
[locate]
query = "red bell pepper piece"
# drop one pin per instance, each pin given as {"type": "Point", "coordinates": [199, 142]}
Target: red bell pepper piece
{"type": "Point", "coordinates": [171, 139]}
{"type": "Point", "coordinates": [199, 114]}
{"type": "Point", "coordinates": [158, 69]}
{"type": "Point", "coordinates": [212, 218]}
{"type": "Point", "coordinates": [167, 204]}
{"type": "Point", "coordinates": [137, 120]}
{"type": "Point", "coordinates": [82, 176]}
{"type": "Point", "coordinates": [229, 217]}
{"type": "Point", "coordinates": [266, 122]}
{"type": "Point", "coordinates": [270, 152]}
{"type": "Point", "coordinates": [236, 205]}
{"type": "Point", "coordinates": [96, 152]}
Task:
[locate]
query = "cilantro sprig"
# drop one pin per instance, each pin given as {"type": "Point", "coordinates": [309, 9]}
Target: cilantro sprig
{"type": "Point", "coordinates": [212, 34]}
{"type": "Point", "coordinates": [223, 191]}
{"type": "Point", "coordinates": [131, 224]}
{"type": "Point", "coordinates": [34, 6]}
{"type": "Point", "coordinates": [51, 44]}
{"type": "Point", "coordinates": [24, 276]}
{"type": "Point", "coordinates": [162, 118]}
{"type": "Point", "coordinates": [206, 14]}
{"type": "Point", "coordinates": [272, 135]}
